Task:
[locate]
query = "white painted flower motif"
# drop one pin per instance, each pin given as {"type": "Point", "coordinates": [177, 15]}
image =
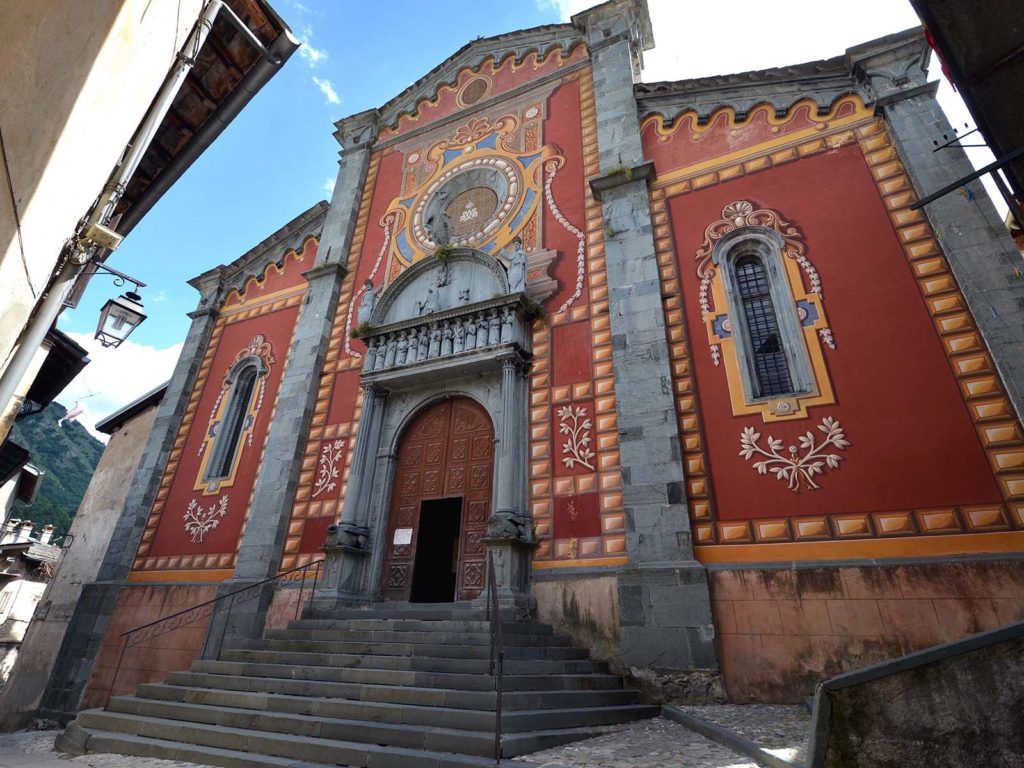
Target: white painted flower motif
{"type": "Point", "coordinates": [796, 468]}
{"type": "Point", "coordinates": [200, 521]}
{"type": "Point", "coordinates": [327, 472]}
{"type": "Point", "coordinates": [576, 425]}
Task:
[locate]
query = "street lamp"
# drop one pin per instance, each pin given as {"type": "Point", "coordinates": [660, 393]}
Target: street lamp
{"type": "Point", "coordinates": [120, 316]}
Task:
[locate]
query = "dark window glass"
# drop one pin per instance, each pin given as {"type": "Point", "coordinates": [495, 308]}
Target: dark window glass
{"type": "Point", "coordinates": [234, 421]}
{"type": "Point", "coordinates": [770, 364]}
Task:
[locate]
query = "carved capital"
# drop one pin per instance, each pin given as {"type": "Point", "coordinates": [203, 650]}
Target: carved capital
{"type": "Point", "coordinates": [358, 130]}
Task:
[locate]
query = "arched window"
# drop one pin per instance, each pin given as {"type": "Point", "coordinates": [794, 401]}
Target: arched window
{"type": "Point", "coordinates": [236, 414]}
{"type": "Point", "coordinates": [771, 369]}
{"type": "Point", "coordinates": [769, 341]}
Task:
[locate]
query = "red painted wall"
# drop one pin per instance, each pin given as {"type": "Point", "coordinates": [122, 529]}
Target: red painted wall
{"type": "Point", "coordinates": [564, 129]}
{"type": "Point", "coordinates": [171, 537]}
{"type": "Point", "coordinates": [912, 441]}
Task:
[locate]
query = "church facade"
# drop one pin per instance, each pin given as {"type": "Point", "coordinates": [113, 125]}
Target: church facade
{"type": "Point", "coordinates": [680, 355]}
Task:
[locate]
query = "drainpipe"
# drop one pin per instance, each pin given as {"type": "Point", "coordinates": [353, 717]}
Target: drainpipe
{"type": "Point", "coordinates": [93, 236]}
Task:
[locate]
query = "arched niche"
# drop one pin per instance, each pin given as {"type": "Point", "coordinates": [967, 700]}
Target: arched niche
{"type": "Point", "coordinates": [465, 276]}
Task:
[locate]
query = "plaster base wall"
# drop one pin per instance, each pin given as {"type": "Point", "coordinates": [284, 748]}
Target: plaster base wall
{"type": "Point", "coordinates": [585, 609]}
{"type": "Point", "coordinates": [152, 659]}
{"type": "Point", "coordinates": [781, 631]}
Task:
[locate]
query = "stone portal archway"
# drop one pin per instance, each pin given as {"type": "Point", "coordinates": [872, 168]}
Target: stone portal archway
{"type": "Point", "coordinates": [445, 467]}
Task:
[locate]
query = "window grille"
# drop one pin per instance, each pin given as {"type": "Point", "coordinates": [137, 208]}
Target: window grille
{"type": "Point", "coordinates": [226, 446]}
{"type": "Point", "coordinates": [771, 367]}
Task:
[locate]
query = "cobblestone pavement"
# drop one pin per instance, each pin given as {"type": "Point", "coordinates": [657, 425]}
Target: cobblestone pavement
{"type": "Point", "coordinates": [655, 743]}
{"type": "Point", "coordinates": [34, 749]}
{"type": "Point", "coordinates": [782, 729]}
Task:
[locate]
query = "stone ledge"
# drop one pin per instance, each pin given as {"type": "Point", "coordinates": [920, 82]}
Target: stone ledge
{"type": "Point", "coordinates": [618, 177]}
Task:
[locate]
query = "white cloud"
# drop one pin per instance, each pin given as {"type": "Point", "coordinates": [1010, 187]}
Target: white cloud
{"type": "Point", "coordinates": [329, 185]}
{"type": "Point", "coordinates": [158, 297]}
{"type": "Point", "coordinates": [312, 55]}
{"type": "Point", "coordinates": [115, 377]}
{"type": "Point", "coordinates": [327, 90]}
{"type": "Point", "coordinates": [568, 8]}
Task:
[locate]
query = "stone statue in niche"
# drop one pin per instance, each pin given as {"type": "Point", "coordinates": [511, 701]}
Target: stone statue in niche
{"type": "Point", "coordinates": [494, 329]}
{"type": "Point", "coordinates": [435, 341]}
{"type": "Point", "coordinates": [516, 267]}
{"type": "Point", "coordinates": [470, 333]}
{"type": "Point", "coordinates": [423, 344]}
{"type": "Point", "coordinates": [481, 331]}
{"type": "Point", "coordinates": [459, 341]}
{"type": "Point", "coordinates": [506, 325]}
{"type": "Point", "coordinates": [368, 302]}
{"type": "Point", "coordinates": [391, 351]}
{"type": "Point", "coordinates": [371, 355]}
{"type": "Point", "coordinates": [403, 347]}
{"type": "Point", "coordinates": [446, 339]}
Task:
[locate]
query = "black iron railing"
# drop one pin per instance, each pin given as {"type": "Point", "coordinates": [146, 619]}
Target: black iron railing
{"type": "Point", "coordinates": [219, 607]}
{"type": "Point", "coordinates": [497, 666]}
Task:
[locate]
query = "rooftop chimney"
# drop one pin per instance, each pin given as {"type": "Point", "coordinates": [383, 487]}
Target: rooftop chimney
{"type": "Point", "coordinates": [10, 531]}
{"type": "Point", "coordinates": [23, 531]}
{"type": "Point", "coordinates": [46, 534]}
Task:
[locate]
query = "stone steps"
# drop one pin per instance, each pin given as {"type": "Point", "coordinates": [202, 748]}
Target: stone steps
{"type": "Point", "coordinates": [450, 680]}
{"type": "Point", "coordinates": [401, 694]}
{"type": "Point", "coordinates": [203, 744]}
{"type": "Point", "coordinates": [388, 712]}
{"type": "Point", "coordinates": [368, 687]}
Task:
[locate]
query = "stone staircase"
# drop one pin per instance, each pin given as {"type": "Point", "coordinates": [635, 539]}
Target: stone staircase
{"type": "Point", "coordinates": [388, 685]}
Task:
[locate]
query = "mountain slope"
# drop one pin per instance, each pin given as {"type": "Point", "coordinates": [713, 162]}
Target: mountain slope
{"type": "Point", "coordinates": [67, 455]}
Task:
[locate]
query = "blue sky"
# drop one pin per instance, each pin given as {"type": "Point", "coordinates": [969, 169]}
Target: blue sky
{"type": "Point", "coordinates": [279, 157]}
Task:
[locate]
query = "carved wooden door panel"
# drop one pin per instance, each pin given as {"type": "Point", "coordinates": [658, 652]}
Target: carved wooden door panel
{"type": "Point", "coordinates": [446, 452]}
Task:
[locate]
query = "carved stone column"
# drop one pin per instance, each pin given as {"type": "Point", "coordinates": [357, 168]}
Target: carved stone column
{"type": "Point", "coordinates": [509, 533]}
{"type": "Point", "coordinates": [347, 543]}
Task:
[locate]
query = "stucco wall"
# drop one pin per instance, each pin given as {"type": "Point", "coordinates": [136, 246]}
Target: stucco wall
{"type": "Point", "coordinates": [781, 631]}
{"type": "Point", "coordinates": [584, 608]}
{"type": "Point", "coordinates": [90, 531]}
{"type": "Point", "coordinates": [74, 86]}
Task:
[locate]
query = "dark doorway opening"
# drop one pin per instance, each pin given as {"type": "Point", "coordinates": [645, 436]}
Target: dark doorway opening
{"type": "Point", "coordinates": [437, 551]}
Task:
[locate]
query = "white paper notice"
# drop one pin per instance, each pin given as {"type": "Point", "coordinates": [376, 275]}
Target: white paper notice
{"type": "Point", "coordinates": [403, 536]}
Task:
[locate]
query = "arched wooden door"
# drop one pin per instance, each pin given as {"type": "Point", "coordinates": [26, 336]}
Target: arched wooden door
{"type": "Point", "coordinates": [445, 466]}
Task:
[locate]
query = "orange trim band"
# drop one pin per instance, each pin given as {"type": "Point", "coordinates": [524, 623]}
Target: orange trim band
{"type": "Point", "coordinates": [219, 574]}
{"type": "Point", "coordinates": [910, 546]}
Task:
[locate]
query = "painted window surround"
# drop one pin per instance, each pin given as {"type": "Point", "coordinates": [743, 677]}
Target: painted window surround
{"type": "Point", "coordinates": [767, 246]}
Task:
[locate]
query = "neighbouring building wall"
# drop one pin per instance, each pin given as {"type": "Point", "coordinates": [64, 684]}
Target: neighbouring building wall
{"type": "Point", "coordinates": [89, 537]}
{"type": "Point", "coordinates": [18, 600]}
{"type": "Point", "coordinates": [62, 74]}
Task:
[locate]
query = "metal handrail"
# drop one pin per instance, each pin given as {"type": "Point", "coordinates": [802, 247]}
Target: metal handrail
{"type": "Point", "coordinates": [497, 665]}
{"type": "Point", "coordinates": [208, 609]}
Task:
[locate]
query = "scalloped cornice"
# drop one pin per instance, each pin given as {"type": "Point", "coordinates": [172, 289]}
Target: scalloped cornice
{"type": "Point", "coordinates": [539, 40]}
{"type": "Point", "coordinates": [253, 263]}
{"type": "Point", "coordinates": [877, 71]}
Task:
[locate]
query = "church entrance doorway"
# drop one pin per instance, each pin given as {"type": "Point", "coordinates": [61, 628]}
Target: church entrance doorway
{"type": "Point", "coordinates": [440, 504]}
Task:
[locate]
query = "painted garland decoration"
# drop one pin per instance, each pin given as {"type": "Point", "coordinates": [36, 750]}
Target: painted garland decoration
{"type": "Point", "coordinates": [328, 472]}
{"type": "Point", "coordinates": [739, 214]}
{"type": "Point", "coordinates": [576, 425]}
{"type": "Point", "coordinates": [792, 466]}
{"type": "Point", "coordinates": [201, 520]}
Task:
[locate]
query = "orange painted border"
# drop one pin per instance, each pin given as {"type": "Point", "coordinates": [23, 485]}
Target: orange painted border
{"type": "Point", "coordinates": [219, 574]}
{"type": "Point", "coordinates": [959, 544]}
